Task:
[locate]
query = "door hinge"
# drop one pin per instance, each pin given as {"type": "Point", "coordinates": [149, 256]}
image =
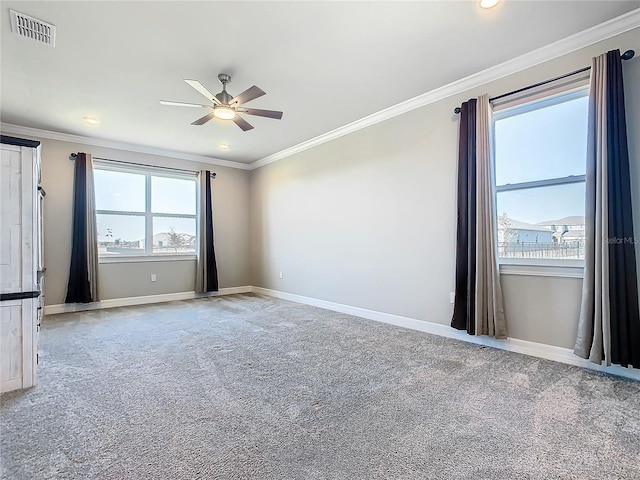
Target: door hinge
{"type": "Point", "coordinates": [37, 359]}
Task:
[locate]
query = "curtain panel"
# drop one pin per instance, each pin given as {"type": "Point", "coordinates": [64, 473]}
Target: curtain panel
{"type": "Point", "coordinates": [489, 307]}
{"type": "Point", "coordinates": [206, 269]}
{"type": "Point", "coordinates": [464, 304]}
{"type": "Point", "coordinates": [83, 269]}
{"type": "Point", "coordinates": [478, 305]}
{"type": "Point", "coordinates": [609, 324]}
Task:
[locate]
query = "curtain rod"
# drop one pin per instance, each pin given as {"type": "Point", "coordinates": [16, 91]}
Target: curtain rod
{"type": "Point", "coordinates": [74, 155]}
{"type": "Point", "coordinates": [625, 56]}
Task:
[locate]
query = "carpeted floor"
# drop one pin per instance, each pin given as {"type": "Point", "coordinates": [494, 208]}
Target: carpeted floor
{"type": "Point", "coordinates": [251, 387]}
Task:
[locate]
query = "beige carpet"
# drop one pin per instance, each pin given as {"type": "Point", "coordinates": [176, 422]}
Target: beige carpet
{"type": "Point", "coordinates": [251, 387]}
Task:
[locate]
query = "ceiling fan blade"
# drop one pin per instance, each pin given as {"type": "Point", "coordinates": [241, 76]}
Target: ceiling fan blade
{"type": "Point", "coordinates": [201, 88]}
{"type": "Point", "coordinates": [181, 104]}
{"type": "Point", "coordinates": [261, 113]}
{"type": "Point", "coordinates": [242, 123]}
{"type": "Point", "coordinates": [203, 120]}
{"type": "Point", "coordinates": [248, 95]}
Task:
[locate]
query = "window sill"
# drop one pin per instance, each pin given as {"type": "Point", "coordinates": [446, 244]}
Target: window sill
{"type": "Point", "coordinates": [146, 258]}
{"type": "Point", "coordinates": [542, 268]}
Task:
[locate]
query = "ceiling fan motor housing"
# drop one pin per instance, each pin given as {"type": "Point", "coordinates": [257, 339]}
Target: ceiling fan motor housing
{"type": "Point", "coordinates": [223, 96]}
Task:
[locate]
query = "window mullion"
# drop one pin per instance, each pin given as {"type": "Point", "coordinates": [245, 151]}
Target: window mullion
{"type": "Point", "coordinates": [148, 216]}
{"type": "Point", "coordinates": [173, 215]}
{"type": "Point", "coordinates": [121, 212]}
{"type": "Point", "coordinates": [549, 182]}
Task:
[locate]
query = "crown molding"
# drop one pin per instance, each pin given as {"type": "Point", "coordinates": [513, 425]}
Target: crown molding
{"type": "Point", "coordinates": [100, 142]}
{"type": "Point", "coordinates": [582, 39]}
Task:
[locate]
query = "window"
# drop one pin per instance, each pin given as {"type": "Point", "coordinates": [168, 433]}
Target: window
{"type": "Point", "coordinates": [144, 212]}
{"type": "Point", "coordinates": [540, 162]}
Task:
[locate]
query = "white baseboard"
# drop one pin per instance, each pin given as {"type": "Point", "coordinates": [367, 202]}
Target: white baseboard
{"type": "Point", "coordinates": [129, 301]}
{"type": "Point", "coordinates": [540, 350]}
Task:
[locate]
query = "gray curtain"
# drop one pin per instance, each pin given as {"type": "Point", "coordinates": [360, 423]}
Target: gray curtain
{"type": "Point", "coordinates": [609, 324]}
{"type": "Point", "coordinates": [92, 232]}
{"type": "Point", "coordinates": [83, 269]}
{"type": "Point", "coordinates": [478, 305]}
{"type": "Point", "coordinates": [489, 310]}
{"type": "Point", "coordinates": [206, 268]}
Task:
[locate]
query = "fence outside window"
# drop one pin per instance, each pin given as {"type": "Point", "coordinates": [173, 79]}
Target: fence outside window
{"type": "Point", "coordinates": [573, 249]}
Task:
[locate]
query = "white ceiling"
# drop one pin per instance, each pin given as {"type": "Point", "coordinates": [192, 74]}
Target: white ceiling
{"type": "Point", "coordinates": [325, 64]}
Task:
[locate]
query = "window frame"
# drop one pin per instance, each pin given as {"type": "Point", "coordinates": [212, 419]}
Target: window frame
{"type": "Point", "coordinates": [541, 97]}
{"type": "Point", "coordinates": [148, 214]}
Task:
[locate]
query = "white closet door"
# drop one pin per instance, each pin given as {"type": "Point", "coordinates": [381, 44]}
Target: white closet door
{"type": "Point", "coordinates": [11, 220]}
{"type": "Point", "coordinates": [18, 263]}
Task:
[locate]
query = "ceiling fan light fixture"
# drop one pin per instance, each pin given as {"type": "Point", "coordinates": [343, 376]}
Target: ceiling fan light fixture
{"type": "Point", "coordinates": [224, 113]}
{"type": "Point", "coordinates": [488, 3]}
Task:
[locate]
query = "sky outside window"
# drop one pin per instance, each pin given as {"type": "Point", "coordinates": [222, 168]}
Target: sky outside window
{"type": "Point", "coordinates": [543, 204]}
{"type": "Point", "coordinates": [541, 144]}
{"type": "Point", "coordinates": [173, 195]}
{"type": "Point", "coordinates": [549, 142]}
{"type": "Point", "coordinates": [119, 191]}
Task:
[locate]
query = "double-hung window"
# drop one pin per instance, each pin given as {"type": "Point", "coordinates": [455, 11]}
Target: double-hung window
{"type": "Point", "coordinates": [540, 162]}
{"type": "Point", "coordinates": [144, 211]}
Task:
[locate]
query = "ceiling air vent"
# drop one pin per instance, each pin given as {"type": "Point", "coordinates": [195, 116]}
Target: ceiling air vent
{"type": "Point", "coordinates": [30, 27]}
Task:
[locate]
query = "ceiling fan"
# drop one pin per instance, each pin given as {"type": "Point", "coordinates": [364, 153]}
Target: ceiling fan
{"type": "Point", "coordinates": [226, 107]}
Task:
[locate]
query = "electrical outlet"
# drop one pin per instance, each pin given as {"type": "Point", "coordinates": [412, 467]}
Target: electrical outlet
{"type": "Point", "coordinates": [280, 274]}
{"type": "Point", "coordinates": [452, 297]}
{"type": "Point", "coordinates": [153, 277]}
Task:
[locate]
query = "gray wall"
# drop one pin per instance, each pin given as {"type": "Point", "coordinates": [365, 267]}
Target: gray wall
{"type": "Point", "coordinates": [368, 219]}
{"type": "Point", "coordinates": [117, 280]}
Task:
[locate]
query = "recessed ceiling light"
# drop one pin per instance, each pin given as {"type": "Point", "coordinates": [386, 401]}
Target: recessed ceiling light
{"type": "Point", "coordinates": [91, 121]}
{"type": "Point", "coordinates": [223, 146]}
{"type": "Point", "coordinates": [488, 3]}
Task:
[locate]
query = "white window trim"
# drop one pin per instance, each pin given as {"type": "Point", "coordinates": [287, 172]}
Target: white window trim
{"type": "Point", "coordinates": [541, 270]}
{"type": "Point", "coordinates": [148, 258]}
{"type": "Point", "coordinates": [148, 172]}
{"type": "Point", "coordinates": [541, 97]}
{"type": "Point", "coordinates": [542, 267]}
